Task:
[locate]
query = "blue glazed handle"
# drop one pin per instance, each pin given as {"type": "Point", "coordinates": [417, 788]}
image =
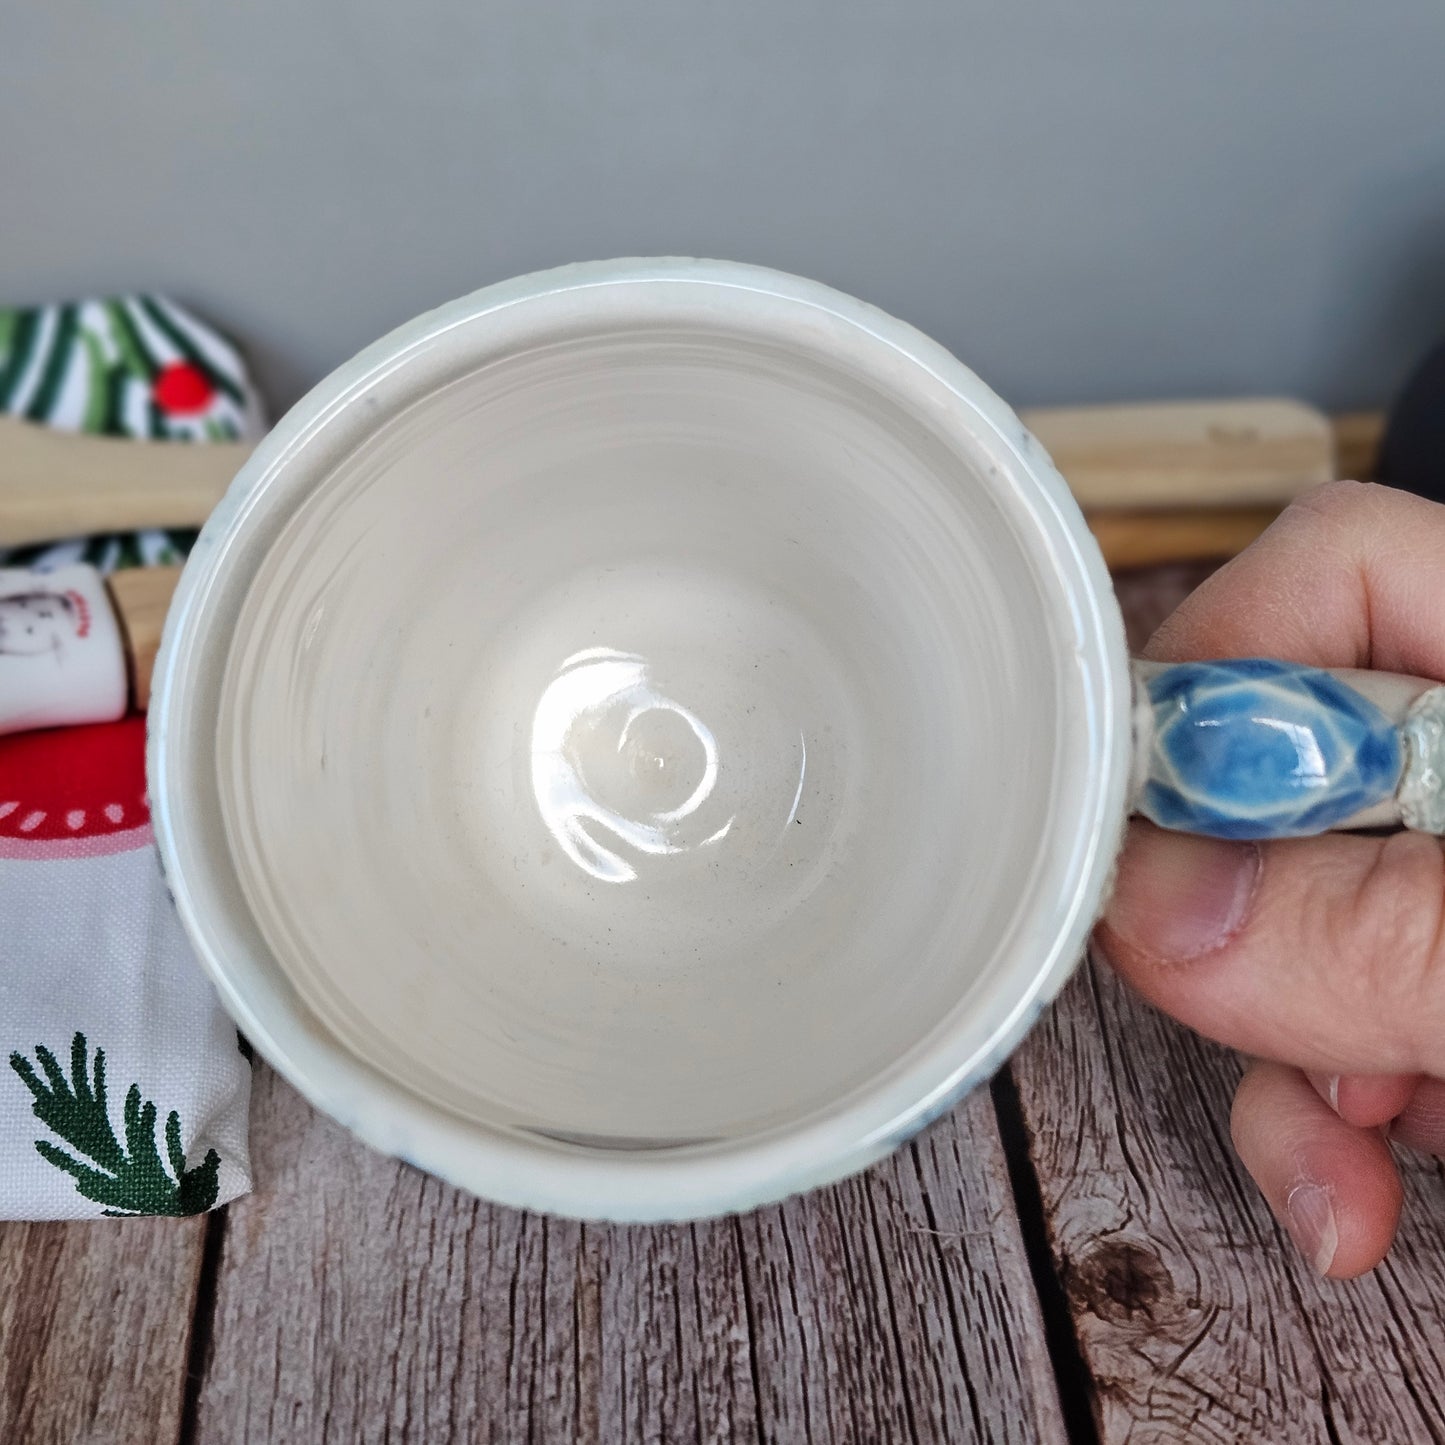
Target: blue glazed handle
{"type": "Point", "coordinates": [1250, 748]}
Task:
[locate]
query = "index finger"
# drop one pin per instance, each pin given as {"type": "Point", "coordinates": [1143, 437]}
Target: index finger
{"type": "Point", "coordinates": [1351, 575]}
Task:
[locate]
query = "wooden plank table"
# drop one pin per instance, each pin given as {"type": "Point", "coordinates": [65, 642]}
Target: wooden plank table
{"type": "Point", "coordinates": [1073, 1254]}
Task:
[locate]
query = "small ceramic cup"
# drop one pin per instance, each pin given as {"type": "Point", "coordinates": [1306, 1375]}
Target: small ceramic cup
{"type": "Point", "coordinates": [641, 740]}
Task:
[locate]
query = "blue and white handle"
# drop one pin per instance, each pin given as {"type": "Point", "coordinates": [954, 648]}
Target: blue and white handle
{"type": "Point", "coordinates": [1249, 748]}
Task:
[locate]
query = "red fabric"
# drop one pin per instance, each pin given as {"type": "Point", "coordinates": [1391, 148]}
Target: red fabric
{"type": "Point", "coordinates": [181, 389]}
{"type": "Point", "coordinates": [76, 782]}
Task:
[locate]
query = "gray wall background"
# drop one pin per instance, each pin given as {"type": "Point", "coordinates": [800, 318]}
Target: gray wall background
{"type": "Point", "coordinates": [1086, 201]}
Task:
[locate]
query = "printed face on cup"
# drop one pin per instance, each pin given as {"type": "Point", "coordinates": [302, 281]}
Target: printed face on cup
{"type": "Point", "coordinates": [33, 624]}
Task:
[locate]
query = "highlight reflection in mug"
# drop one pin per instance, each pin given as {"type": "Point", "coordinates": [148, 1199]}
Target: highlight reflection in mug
{"type": "Point", "coordinates": [614, 759]}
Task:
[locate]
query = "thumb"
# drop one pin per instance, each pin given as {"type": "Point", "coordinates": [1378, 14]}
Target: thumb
{"type": "Point", "coordinates": [1326, 953]}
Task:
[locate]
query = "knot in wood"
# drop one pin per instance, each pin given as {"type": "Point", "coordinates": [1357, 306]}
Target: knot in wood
{"type": "Point", "coordinates": [1119, 1280]}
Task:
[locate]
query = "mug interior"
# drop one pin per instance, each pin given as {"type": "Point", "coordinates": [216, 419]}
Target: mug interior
{"type": "Point", "coordinates": [663, 733]}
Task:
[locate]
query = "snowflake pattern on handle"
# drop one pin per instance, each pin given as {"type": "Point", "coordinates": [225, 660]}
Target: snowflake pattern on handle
{"type": "Point", "coordinates": [1251, 748]}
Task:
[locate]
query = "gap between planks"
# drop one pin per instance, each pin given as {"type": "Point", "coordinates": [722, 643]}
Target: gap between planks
{"type": "Point", "coordinates": [357, 1299]}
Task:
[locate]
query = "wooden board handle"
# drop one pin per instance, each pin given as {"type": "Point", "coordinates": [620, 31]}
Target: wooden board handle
{"type": "Point", "coordinates": [141, 596]}
{"type": "Point", "coordinates": [1157, 455]}
{"type": "Point", "coordinates": [64, 484]}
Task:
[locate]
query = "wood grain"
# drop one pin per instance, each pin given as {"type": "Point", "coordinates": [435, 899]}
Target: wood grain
{"type": "Point", "coordinates": [360, 1300]}
{"type": "Point", "coordinates": [1194, 1314]}
{"type": "Point", "coordinates": [142, 596]}
{"type": "Point", "coordinates": [62, 484]}
{"type": "Point", "coordinates": [1246, 453]}
{"type": "Point", "coordinates": [897, 1306]}
{"type": "Point", "coordinates": [95, 1325]}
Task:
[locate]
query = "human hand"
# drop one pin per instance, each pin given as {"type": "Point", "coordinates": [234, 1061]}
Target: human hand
{"type": "Point", "coordinates": [1322, 958]}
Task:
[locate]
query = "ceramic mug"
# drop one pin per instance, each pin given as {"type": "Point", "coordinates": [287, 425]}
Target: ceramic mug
{"type": "Point", "coordinates": [641, 740]}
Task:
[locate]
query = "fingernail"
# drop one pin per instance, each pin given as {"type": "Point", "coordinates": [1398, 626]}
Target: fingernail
{"type": "Point", "coordinates": [1310, 1218]}
{"type": "Point", "coordinates": [1327, 1086]}
{"type": "Point", "coordinates": [1178, 896]}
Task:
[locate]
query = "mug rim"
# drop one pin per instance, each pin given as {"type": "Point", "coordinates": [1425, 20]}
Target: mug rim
{"type": "Point", "coordinates": [338, 414]}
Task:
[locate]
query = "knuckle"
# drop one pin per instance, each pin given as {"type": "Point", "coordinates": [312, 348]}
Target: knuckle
{"type": "Point", "coordinates": [1390, 936]}
{"type": "Point", "coordinates": [1336, 504]}
{"type": "Point", "coordinates": [1354, 517]}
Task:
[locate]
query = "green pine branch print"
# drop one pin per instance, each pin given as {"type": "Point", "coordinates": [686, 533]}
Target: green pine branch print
{"type": "Point", "coordinates": [129, 1180]}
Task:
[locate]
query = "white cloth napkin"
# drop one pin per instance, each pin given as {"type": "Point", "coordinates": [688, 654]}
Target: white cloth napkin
{"type": "Point", "coordinates": [126, 1091]}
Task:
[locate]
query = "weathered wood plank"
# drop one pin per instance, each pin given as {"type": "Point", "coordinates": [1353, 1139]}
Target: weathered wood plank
{"type": "Point", "coordinates": [95, 1326]}
{"type": "Point", "coordinates": [878, 1307]}
{"type": "Point", "coordinates": [1411, 1285]}
{"type": "Point", "coordinates": [360, 1300]}
{"type": "Point", "coordinates": [1192, 1310]}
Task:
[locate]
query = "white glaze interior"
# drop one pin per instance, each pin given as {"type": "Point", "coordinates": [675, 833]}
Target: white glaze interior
{"type": "Point", "coordinates": [628, 744]}
{"type": "Point", "coordinates": [670, 728]}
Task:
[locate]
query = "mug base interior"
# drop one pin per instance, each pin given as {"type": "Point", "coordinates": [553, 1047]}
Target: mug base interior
{"type": "Point", "coordinates": [648, 741]}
